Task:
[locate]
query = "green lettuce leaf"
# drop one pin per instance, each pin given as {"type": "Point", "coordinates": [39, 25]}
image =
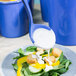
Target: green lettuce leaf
{"type": "Point", "coordinates": [15, 66]}
{"type": "Point", "coordinates": [31, 49]}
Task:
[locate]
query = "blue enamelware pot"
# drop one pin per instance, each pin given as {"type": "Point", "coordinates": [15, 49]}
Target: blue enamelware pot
{"type": "Point", "coordinates": [44, 9]}
{"type": "Point", "coordinates": [13, 19]}
{"type": "Point", "coordinates": [62, 19]}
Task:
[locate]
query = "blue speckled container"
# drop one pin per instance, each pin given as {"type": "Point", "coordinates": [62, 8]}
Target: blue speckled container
{"type": "Point", "coordinates": [13, 19]}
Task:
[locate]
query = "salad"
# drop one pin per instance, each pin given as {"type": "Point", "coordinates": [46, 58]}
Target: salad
{"type": "Point", "coordinates": [36, 62]}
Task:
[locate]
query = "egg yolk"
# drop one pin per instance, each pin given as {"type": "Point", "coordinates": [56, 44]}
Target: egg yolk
{"type": "Point", "coordinates": [39, 66]}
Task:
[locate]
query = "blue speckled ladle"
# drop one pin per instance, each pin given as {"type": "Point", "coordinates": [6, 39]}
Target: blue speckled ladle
{"type": "Point", "coordinates": [32, 26]}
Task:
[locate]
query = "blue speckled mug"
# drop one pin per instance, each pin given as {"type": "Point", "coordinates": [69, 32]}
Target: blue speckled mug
{"type": "Point", "coordinates": [13, 19]}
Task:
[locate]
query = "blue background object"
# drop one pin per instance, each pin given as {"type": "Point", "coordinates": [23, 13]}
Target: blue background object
{"type": "Point", "coordinates": [13, 19]}
{"type": "Point", "coordinates": [62, 19]}
{"type": "Point", "coordinates": [44, 10]}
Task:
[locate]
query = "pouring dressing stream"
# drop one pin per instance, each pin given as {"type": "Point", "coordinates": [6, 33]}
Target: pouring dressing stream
{"type": "Point", "coordinates": [41, 35]}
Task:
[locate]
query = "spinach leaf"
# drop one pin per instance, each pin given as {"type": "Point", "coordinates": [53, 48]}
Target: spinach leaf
{"type": "Point", "coordinates": [61, 57]}
{"type": "Point", "coordinates": [54, 74]}
{"type": "Point", "coordinates": [58, 67]}
{"type": "Point", "coordinates": [21, 52]}
{"type": "Point", "coordinates": [28, 73]}
{"type": "Point", "coordinates": [17, 57]}
{"type": "Point", "coordinates": [38, 74]}
{"type": "Point", "coordinates": [31, 49]}
{"type": "Point", "coordinates": [45, 74]}
{"type": "Point", "coordinates": [45, 52]}
{"type": "Point", "coordinates": [22, 73]}
{"type": "Point", "coordinates": [15, 66]}
{"type": "Point", "coordinates": [51, 50]}
{"type": "Point", "coordinates": [62, 70]}
{"type": "Point", "coordinates": [25, 73]}
{"type": "Point", "coordinates": [67, 64]}
{"type": "Point", "coordinates": [64, 61]}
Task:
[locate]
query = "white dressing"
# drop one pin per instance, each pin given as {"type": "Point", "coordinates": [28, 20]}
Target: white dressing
{"type": "Point", "coordinates": [39, 58]}
{"type": "Point", "coordinates": [48, 52]}
{"type": "Point", "coordinates": [38, 55]}
{"type": "Point", "coordinates": [40, 61]}
{"type": "Point", "coordinates": [48, 68]}
{"type": "Point", "coordinates": [48, 60]}
{"type": "Point", "coordinates": [34, 56]}
{"type": "Point", "coordinates": [44, 38]}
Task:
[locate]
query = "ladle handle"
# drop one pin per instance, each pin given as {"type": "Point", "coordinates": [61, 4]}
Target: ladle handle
{"type": "Point", "coordinates": [28, 12]}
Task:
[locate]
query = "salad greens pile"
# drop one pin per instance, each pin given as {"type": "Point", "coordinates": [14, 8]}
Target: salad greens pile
{"type": "Point", "coordinates": [56, 71]}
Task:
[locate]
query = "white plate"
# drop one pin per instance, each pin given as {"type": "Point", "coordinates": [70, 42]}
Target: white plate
{"type": "Point", "coordinates": [8, 70]}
